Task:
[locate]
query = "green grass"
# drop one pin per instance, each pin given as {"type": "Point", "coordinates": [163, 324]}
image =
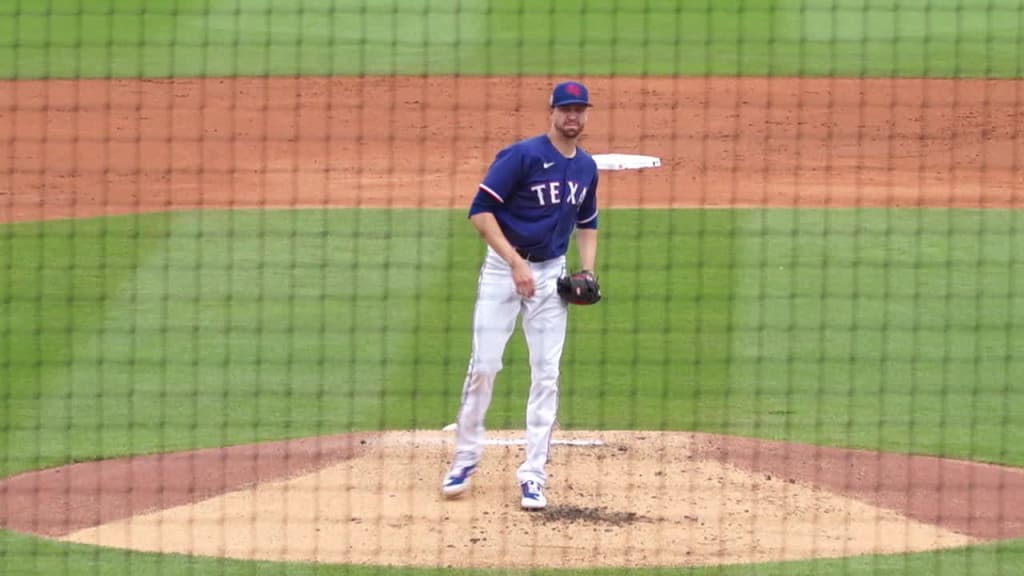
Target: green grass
{"type": "Point", "coordinates": [897, 329]}
{"type": "Point", "coordinates": [890, 329]}
{"type": "Point", "coordinates": [103, 38]}
{"type": "Point", "coordinates": [204, 329]}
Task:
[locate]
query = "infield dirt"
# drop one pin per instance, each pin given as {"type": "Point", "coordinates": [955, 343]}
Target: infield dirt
{"type": "Point", "coordinates": [638, 499]}
{"type": "Point", "coordinates": [86, 148]}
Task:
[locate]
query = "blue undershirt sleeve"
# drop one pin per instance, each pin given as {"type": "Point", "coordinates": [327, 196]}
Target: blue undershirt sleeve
{"type": "Point", "coordinates": [588, 210]}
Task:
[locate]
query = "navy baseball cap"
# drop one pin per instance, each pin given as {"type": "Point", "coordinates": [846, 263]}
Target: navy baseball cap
{"type": "Point", "coordinates": [569, 93]}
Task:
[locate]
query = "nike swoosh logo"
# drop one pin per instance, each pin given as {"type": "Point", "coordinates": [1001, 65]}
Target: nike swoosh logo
{"type": "Point", "coordinates": [548, 165]}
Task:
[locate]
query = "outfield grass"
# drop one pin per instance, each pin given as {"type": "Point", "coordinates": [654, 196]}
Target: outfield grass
{"type": "Point", "coordinates": [866, 328]}
{"type": "Point", "coordinates": [102, 38]}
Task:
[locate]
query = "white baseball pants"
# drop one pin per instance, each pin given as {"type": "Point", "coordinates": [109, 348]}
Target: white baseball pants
{"type": "Point", "coordinates": [544, 316]}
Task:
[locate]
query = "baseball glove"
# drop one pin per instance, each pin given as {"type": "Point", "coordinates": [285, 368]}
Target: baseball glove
{"type": "Point", "coordinates": [580, 288]}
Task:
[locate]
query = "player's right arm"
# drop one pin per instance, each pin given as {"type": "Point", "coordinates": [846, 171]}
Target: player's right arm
{"type": "Point", "coordinates": [501, 179]}
{"type": "Point", "coordinates": [487, 225]}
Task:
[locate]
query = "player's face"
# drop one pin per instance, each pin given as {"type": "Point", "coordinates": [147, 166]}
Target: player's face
{"type": "Point", "coordinates": [569, 120]}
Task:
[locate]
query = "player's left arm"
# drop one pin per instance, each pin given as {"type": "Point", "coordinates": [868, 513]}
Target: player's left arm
{"type": "Point", "coordinates": [586, 242]}
{"type": "Point", "coordinates": [586, 227]}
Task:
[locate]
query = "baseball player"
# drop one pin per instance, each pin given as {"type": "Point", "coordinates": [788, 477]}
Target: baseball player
{"type": "Point", "coordinates": [535, 193]}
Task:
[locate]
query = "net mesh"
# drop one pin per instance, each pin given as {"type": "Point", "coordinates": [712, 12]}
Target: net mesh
{"type": "Point", "coordinates": [278, 286]}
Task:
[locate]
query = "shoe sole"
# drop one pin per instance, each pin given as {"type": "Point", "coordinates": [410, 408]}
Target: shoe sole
{"type": "Point", "coordinates": [455, 491]}
{"type": "Point", "coordinates": [531, 504]}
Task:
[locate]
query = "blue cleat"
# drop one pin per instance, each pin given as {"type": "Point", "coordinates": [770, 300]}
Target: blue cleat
{"type": "Point", "coordinates": [456, 481]}
{"type": "Point", "coordinates": [533, 496]}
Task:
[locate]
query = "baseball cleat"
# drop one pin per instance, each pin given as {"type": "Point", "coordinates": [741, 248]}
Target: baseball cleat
{"type": "Point", "coordinates": [533, 496]}
{"type": "Point", "coordinates": [456, 481]}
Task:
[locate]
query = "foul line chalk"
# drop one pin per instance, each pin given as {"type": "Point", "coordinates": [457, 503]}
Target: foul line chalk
{"type": "Point", "coordinates": [500, 442]}
{"type": "Point", "coordinates": [497, 442]}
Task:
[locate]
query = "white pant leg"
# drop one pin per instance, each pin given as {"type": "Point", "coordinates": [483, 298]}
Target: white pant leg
{"type": "Point", "coordinates": [494, 319]}
{"type": "Point", "coordinates": [544, 324]}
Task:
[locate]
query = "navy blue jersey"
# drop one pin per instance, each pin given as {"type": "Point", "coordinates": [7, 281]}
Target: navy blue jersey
{"type": "Point", "coordinates": [539, 196]}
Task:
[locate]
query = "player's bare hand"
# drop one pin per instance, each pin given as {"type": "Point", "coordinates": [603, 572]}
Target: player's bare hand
{"type": "Point", "coordinates": [522, 275]}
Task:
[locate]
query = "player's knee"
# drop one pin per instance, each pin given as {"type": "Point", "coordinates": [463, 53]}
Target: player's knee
{"type": "Point", "coordinates": [483, 365]}
{"type": "Point", "coordinates": [477, 381]}
{"type": "Point", "coordinates": [545, 375]}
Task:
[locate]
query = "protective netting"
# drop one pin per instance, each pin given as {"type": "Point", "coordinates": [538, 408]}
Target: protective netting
{"type": "Point", "coordinates": [279, 280]}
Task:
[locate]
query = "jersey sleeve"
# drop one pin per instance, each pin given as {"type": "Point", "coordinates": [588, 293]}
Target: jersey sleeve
{"type": "Point", "coordinates": [587, 215]}
{"type": "Point", "coordinates": [504, 174]}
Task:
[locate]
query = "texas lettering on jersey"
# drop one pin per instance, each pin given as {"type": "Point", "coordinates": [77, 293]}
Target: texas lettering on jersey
{"type": "Point", "coordinates": [551, 192]}
{"type": "Point", "coordinates": [539, 196]}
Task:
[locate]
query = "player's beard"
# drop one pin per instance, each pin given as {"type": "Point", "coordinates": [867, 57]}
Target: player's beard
{"type": "Point", "coordinates": [570, 131]}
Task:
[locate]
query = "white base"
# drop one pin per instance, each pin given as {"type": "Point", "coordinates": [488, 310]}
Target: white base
{"type": "Point", "coordinates": [616, 161]}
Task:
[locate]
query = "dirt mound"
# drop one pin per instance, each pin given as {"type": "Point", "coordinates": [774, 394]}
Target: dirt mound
{"type": "Point", "coordinates": [589, 515]}
{"type": "Point", "coordinates": [627, 498]}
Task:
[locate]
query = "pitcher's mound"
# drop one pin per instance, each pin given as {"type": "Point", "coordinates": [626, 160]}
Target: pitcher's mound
{"type": "Point", "coordinates": [615, 499]}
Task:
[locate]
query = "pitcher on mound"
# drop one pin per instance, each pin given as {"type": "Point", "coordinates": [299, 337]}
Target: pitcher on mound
{"type": "Point", "coordinates": [535, 194]}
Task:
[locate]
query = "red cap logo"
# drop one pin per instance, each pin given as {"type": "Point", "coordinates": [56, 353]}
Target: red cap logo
{"type": "Point", "coordinates": [573, 90]}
